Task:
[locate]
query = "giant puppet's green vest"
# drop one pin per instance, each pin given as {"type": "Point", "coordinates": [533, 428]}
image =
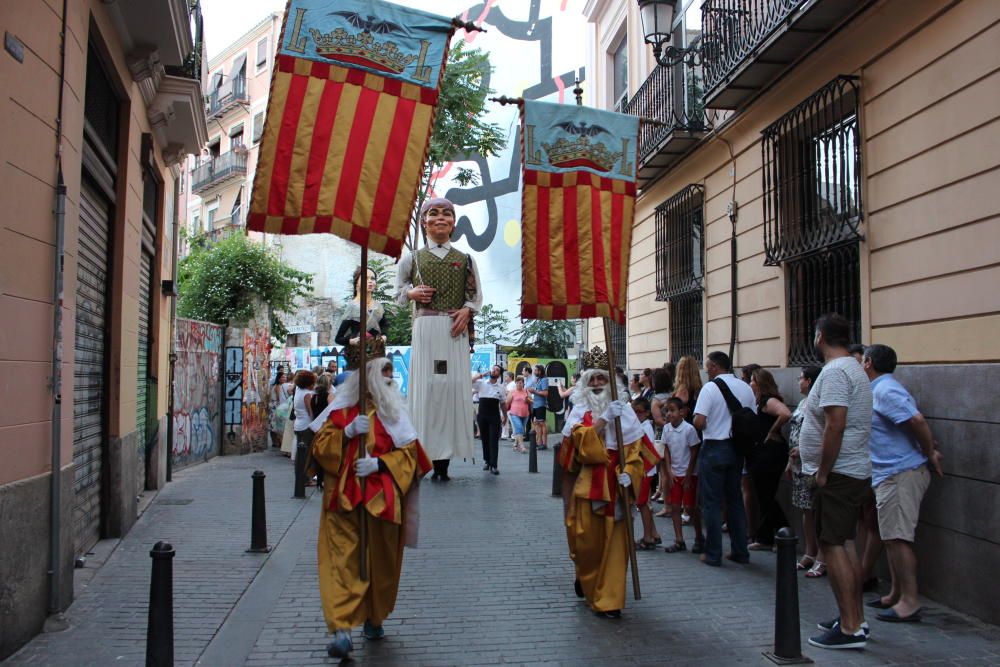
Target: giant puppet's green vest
{"type": "Point", "coordinates": [446, 275]}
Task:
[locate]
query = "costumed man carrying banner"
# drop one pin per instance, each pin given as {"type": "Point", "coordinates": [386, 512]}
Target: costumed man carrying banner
{"type": "Point", "coordinates": [595, 464]}
{"type": "Point", "coordinates": [380, 447]}
{"type": "Point", "coordinates": [444, 284]}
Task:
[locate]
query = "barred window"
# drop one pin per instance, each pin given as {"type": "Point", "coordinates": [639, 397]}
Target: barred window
{"type": "Point", "coordinates": [680, 243]}
{"type": "Point", "coordinates": [619, 336]}
{"type": "Point", "coordinates": [686, 332]}
{"type": "Point", "coordinates": [825, 282]}
{"type": "Point", "coordinates": [812, 174]}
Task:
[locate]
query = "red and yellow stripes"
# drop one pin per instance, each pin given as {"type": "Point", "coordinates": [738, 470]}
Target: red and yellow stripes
{"type": "Point", "coordinates": [342, 153]}
{"type": "Point", "coordinates": [577, 235]}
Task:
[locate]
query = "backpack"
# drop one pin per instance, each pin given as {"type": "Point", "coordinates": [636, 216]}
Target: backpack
{"type": "Point", "coordinates": [745, 428]}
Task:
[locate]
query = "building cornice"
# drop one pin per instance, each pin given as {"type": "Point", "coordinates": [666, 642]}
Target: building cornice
{"type": "Point", "coordinates": [242, 42]}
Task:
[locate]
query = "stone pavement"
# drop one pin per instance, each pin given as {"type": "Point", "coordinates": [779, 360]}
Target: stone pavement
{"type": "Point", "coordinates": [489, 584]}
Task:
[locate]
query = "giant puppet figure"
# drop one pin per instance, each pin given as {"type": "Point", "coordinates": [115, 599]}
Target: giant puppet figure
{"type": "Point", "coordinates": [444, 284]}
{"type": "Point", "coordinates": [595, 465]}
{"type": "Point", "coordinates": [377, 485]}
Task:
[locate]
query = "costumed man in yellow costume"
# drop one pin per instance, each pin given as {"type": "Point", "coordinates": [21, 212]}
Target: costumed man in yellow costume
{"type": "Point", "coordinates": [390, 464]}
{"type": "Point", "coordinates": [595, 465]}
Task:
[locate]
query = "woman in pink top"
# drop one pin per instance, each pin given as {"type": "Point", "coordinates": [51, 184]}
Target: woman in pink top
{"type": "Point", "coordinates": [518, 408]}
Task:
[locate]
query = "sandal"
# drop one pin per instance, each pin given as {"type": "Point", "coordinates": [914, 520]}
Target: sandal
{"type": "Point", "coordinates": [816, 571]}
{"type": "Point", "coordinates": [644, 545]}
{"type": "Point", "coordinates": [803, 564]}
{"type": "Point", "coordinates": [675, 547]}
{"type": "Point", "coordinates": [663, 513]}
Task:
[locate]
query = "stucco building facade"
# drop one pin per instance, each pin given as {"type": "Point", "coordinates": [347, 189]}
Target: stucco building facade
{"type": "Point", "coordinates": [827, 155]}
{"type": "Point", "coordinates": [102, 102]}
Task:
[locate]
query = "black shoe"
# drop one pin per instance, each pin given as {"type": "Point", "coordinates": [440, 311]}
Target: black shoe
{"type": "Point", "coordinates": [614, 613]}
{"type": "Point", "coordinates": [486, 467]}
{"type": "Point", "coordinates": [834, 638]}
{"type": "Point", "coordinates": [577, 588]}
{"type": "Point", "coordinates": [835, 623]}
{"type": "Point", "coordinates": [444, 477]}
{"type": "Point", "coordinates": [435, 477]}
{"type": "Point", "coordinates": [494, 471]}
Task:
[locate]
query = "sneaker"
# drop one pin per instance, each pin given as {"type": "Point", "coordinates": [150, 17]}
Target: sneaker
{"type": "Point", "coordinates": [340, 646]}
{"type": "Point", "coordinates": [835, 623]}
{"type": "Point", "coordinates": [835, 639]}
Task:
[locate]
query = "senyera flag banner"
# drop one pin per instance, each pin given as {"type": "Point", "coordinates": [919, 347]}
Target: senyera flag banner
{"type": "Point", "coordinates": [349, 119]}
{"type": "Point", "coordinates": [578, 203]}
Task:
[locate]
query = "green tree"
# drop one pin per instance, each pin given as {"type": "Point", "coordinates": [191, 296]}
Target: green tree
{"type": "Point", "coordinates": [545, 338]}
{"type": "Point", "coordinates": [400, 330]}
{"type": "Point", "coordinates": [222, 282]}
{"type": "Point", "coordinates": [459, 129]}
{"type": "Point", "coordinates": [491, 324]}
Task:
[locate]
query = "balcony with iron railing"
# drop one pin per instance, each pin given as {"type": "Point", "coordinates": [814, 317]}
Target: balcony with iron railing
{"type": "Point", "coordinates": [670, 102]}
{"type": "Point", "coordinates": [230, 94]}
{"type": "Point", "coordinates": [217, 171]}
{"type": "Point", "coordinates": [746, 44]}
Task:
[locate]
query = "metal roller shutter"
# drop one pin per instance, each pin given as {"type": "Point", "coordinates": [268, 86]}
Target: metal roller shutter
{"type": "Point", "coordinates": [89, 355]}
{"type": "Point", "coordinates": [142, 394]}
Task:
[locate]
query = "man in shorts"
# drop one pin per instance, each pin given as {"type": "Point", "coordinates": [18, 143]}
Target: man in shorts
{"type": "Point", "coordinates": [539, 390]}
{"type": "Point", "coordinates": [833, 447]}
{"type": "Point", "coordinates": [902, 448]}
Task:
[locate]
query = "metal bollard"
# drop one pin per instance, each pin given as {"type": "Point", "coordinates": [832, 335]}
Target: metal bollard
{"type": "Point", "coordinates": [301, 452]}
{"type": "Point", "coordinates": [557, 471]}
{"type": "Point", "coordinates": [258, 518]}
{"type": "Point", "coordinates": [787, 641]}
{"type": "Point", "coordinates": [160, 625]}
{"type": "Point", "coordinates": [532, 453]}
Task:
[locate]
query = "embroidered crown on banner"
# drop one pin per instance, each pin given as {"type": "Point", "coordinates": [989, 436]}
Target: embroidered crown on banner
{"type": "Point", "coordinates": [580, 153]}
{"type": "Point", "coordinates": [361, 49]}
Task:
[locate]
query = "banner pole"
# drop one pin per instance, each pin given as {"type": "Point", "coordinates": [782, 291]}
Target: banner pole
{"type": "Point", "coordinates": [363, 409]}
{"type": "Point", "coordinates": [622, 490]}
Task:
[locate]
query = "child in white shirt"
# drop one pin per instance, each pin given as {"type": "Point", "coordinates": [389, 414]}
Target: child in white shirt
{"type": "Point", "coordinates": [681, 452]}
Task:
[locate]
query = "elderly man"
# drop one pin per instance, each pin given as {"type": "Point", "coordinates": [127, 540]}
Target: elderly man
{"type": "Point", "coordinates": [444, 284]}
{"type": "Point", "coordinates": [595, 465]}
{"type": "Point", "coordinates": [373, 464]}
{"type": "Point", "coordinates": [902, 448]}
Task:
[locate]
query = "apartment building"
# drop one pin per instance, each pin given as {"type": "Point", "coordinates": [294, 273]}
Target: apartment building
{"type": "Point", "coordinates": [102, 103]}
{"type": "Point", "coordinates": [806, 156]}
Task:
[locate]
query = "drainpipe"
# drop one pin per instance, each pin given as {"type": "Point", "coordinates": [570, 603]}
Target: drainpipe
{"type": "Point", "coordinates": [173, 320]}
{"type": "Point", "coordinates": [55, 480]}
{"type": "Point", "coordinates": [732, 210]}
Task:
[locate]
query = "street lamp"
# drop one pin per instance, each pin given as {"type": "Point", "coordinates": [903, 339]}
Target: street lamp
{"type": "Point", "coordinates": [657, 17]}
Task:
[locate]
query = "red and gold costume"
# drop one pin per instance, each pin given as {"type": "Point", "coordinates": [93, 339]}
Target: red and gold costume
{"type": "Point", "coordinates": [386, 503]}
{"type": "Point", "coordinates": [595, 529]}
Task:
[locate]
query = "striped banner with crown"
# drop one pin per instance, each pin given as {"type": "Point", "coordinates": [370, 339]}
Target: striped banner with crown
{"type": "Point", "coordinates": [348, 123]}
{"type": "Point", "coordinates": [578, 204]}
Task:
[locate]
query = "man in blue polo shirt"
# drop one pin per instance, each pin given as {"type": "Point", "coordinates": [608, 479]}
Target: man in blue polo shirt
{"type": "Point", "coordinates": [902, 448]}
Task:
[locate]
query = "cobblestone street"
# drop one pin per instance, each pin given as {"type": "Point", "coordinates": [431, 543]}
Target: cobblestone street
{"type": "Point", "coordinates": [490, 583]}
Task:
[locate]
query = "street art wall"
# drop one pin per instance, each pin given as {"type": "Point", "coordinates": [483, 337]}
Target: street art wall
{"type": "Point", "coordinates": [256, 372]}
{"type": "Point", "coordinates": [197, 393]}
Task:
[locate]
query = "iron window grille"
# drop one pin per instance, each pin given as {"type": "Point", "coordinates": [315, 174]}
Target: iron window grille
{"type": "Point", "coordinates": [825, 282]}
{"type": "Point", "coordinates": [686, 329]}
{"type": "Point", "coordinates": [619, 336]}
{"type": "Point", "coordinates": [680, 243]}
{"type": "Point", "coordinates": [812, 174]}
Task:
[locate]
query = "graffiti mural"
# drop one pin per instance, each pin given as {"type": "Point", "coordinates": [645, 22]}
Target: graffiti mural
{"type": "Point", "coordinates": [197, 388]}
{"type": "Point", "coordinates": [256, 373]}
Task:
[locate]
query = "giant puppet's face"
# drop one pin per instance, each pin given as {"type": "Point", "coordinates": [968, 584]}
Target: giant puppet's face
{"type": "Point", "coordinates": [439, 223]}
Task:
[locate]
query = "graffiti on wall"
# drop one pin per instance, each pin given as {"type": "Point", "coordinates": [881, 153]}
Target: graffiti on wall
{"type": "Point", "coordinates": [197, 429]}
{"type": "Point", "coordinates": [256, 373]}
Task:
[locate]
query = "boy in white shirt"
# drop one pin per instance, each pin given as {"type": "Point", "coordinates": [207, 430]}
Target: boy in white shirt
{"type": "Point", "coordinates": [681, 453]}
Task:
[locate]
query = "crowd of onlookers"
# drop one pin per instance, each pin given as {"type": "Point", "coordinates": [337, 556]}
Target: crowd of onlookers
{"type": "Point", "coordinates": [295, 400]}
{"type": "Point", "coordinates": [855, 449]}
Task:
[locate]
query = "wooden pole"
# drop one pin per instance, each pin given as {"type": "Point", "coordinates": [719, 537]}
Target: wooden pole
{"type": "Point", "coordinates": [623, 491]}
{"type": "Point", "coordinates": [363, 407]}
